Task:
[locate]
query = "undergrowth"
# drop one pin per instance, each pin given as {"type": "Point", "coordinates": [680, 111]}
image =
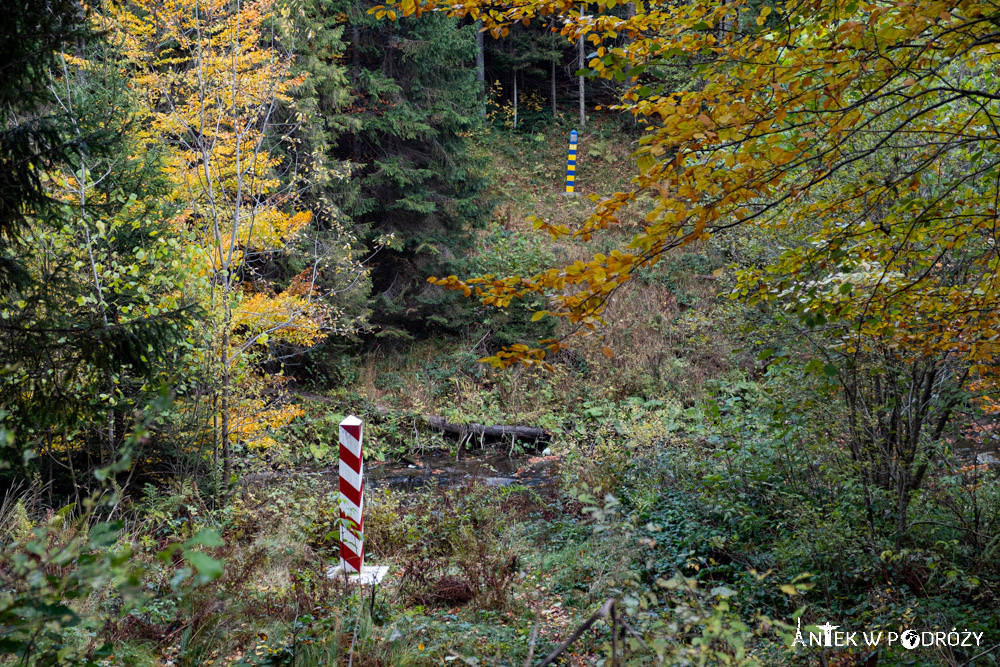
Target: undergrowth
{"type": "Point", "coordinates": [716, 512]}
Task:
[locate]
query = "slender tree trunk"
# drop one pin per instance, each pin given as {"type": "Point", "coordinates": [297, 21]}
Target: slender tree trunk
{"type": "Point", "coordinates": [481, 65]}
{"type": "Point", "coordinates": [224, 403]}
{"type": "Point", "coordinates": [583, 110]}
{"type": "Point", "coordinates": [903, 502]}
{"type": "Point", "coordinates": [52, 456]}
{"type": "Point", "coordinates": [111, 422]}
{"type": "Point", "coordinates": [630, 13]}
{"type": "Point", "coordinates": [355, 78]}
{"type": "Point", "coordinates": [515, 99]}
{"type": "Point", "coordinates": [554, 111]}
{"type": "Point", "coordinates": [355, 54]}
{"type": "Point", "coordinates": [72, 476]}
{"type": "Point", "coordinates": [82, 184]}
{"type": "Point", "coordinates": [215, 431]}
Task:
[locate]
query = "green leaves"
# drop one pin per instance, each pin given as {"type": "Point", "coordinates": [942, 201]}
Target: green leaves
{"type": "Point", "coordinates": [798, 586]}
{"type": "Point", "coordinates": [104, 534]}
{"type": "Point", "coordinates": [319, 451]}
{"type": "Point", "coordinates": [206, 568]}
{"type": "Point", "coordinates": [818, 367]}
{"type": "Point", "coordinates": [51, 574]}
{"type": "Point", "coordinates": [206, 537]}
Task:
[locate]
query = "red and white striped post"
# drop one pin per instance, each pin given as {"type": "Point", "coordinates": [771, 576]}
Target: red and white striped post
{"type": "Point", "coordinates": [352, 497]}
{"type": "Point", "coordinates": [352, 508]}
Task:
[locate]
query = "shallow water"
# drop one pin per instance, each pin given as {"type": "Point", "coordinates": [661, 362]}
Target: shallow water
{"type": "Point", "coordinates": [443, 470]}
{"type": "Point", "coordinates": [981, 451]}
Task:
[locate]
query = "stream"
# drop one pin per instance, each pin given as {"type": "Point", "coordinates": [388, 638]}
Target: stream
{"type": "Point", "coordinates": [444, 470]}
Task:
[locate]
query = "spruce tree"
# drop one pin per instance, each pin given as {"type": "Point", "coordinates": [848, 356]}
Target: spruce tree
{"type": "Point", "coordinates": [88, 334]}
{"type": "Point", "coordinates": [32, 138]}
{"type": "Point", "coordinates": [414, 184]}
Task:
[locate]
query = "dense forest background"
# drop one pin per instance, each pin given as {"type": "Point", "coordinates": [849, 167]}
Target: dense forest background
{"type": "Point", "coordinates": [753, 360]}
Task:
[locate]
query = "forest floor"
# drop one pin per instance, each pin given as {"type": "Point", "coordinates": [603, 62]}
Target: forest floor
{"type": "Point", "coordinates": [669, 486]}
{"type": "Point", "coordinates": [481, 572]}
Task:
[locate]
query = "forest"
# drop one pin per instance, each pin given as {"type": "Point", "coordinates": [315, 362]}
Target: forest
{"type": "Point", "coordinates": [526, 332]}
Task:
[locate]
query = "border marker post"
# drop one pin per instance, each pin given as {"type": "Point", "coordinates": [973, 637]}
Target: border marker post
{"type": "Point", "coordinates": [352, 504]}
{"type": "Point", "coordinates": [571, 164]}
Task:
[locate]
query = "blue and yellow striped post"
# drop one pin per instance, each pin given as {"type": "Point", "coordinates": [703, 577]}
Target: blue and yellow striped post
{"type": "Point", "coordinates": [571, 163]}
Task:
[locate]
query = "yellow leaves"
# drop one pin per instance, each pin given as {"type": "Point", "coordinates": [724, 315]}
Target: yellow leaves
{"type": "Point", "coordinates": [270, 229]}
{"type": "Point", "coordinates": [556, 231]}
{"type": "Point", "coordinates": [297, 318]}
{"type": "Point", "coordinates": [253, 421]}
{"type": "Point", "coordinates": [211, 76]}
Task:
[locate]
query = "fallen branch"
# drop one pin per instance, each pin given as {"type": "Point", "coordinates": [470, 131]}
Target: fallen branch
{"type": "Point", "coordinates": [531, 644]}
{"type": "Point", "coordinates": [609, 611]}
{"type": "Point", "coordinates": [605, 610]}
{"type": "Point", "coordinates": [497, 432]}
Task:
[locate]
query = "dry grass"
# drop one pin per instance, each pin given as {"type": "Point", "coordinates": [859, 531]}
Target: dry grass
{"type": "Point", "coordinates": [657, 340]}
{"type": "Point", "coordinates": [662, 328]}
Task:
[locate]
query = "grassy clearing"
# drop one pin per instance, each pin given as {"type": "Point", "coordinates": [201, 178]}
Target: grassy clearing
{"type": "Point", "coordinates": [665, 333]}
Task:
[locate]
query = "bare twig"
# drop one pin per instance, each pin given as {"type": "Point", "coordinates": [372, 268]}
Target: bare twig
{"type": "Point", "coordinates": [979, 655]}
{"type": "Point", "coordinates": [599, 614]}
{"type": "Point", "coordinates": [531, 643]}
{"type": "Point", "coordinates": [357, 626]}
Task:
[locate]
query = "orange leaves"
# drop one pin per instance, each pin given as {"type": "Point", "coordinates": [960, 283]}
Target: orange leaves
{"type": "Point", "coordinates": [253, 422]}
{"type": "Point", "coordinates": [296, 316]}
{"type": "Point", "coordinates": [804, 125]}
{"type": "Point", "coordinates": [303, 284]}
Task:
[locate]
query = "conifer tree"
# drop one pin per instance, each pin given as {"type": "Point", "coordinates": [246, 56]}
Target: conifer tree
{"type": "Point", "coordinates": [87, 336]}
{"type": "Point", "coordinates": [414, 183]}
{"type": "Point", "coordinates": [31, 138]}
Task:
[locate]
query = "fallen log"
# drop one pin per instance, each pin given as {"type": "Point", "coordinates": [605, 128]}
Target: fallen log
{"type": "Point", "coordinates": [496, 432]}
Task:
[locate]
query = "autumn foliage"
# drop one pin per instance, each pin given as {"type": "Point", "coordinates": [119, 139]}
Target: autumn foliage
{"type": "Point", "coordinates": [217, 84]}
{"type": "Point", "coordinates": [858, 129]}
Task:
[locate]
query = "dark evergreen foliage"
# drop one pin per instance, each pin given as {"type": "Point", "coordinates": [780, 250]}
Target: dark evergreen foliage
{"type": "Point", "coordinates": [31, 138]}
{"type": "Point", "coordinates": [415, 99]}
{"type": "Point", "coordinates": [67, 346]}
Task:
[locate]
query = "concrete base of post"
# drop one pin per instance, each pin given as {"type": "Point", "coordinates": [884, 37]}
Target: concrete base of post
{"type": "Point", "coordinates": [370, 575]}
{"type": "Point", "coordinates": [571, 194]}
